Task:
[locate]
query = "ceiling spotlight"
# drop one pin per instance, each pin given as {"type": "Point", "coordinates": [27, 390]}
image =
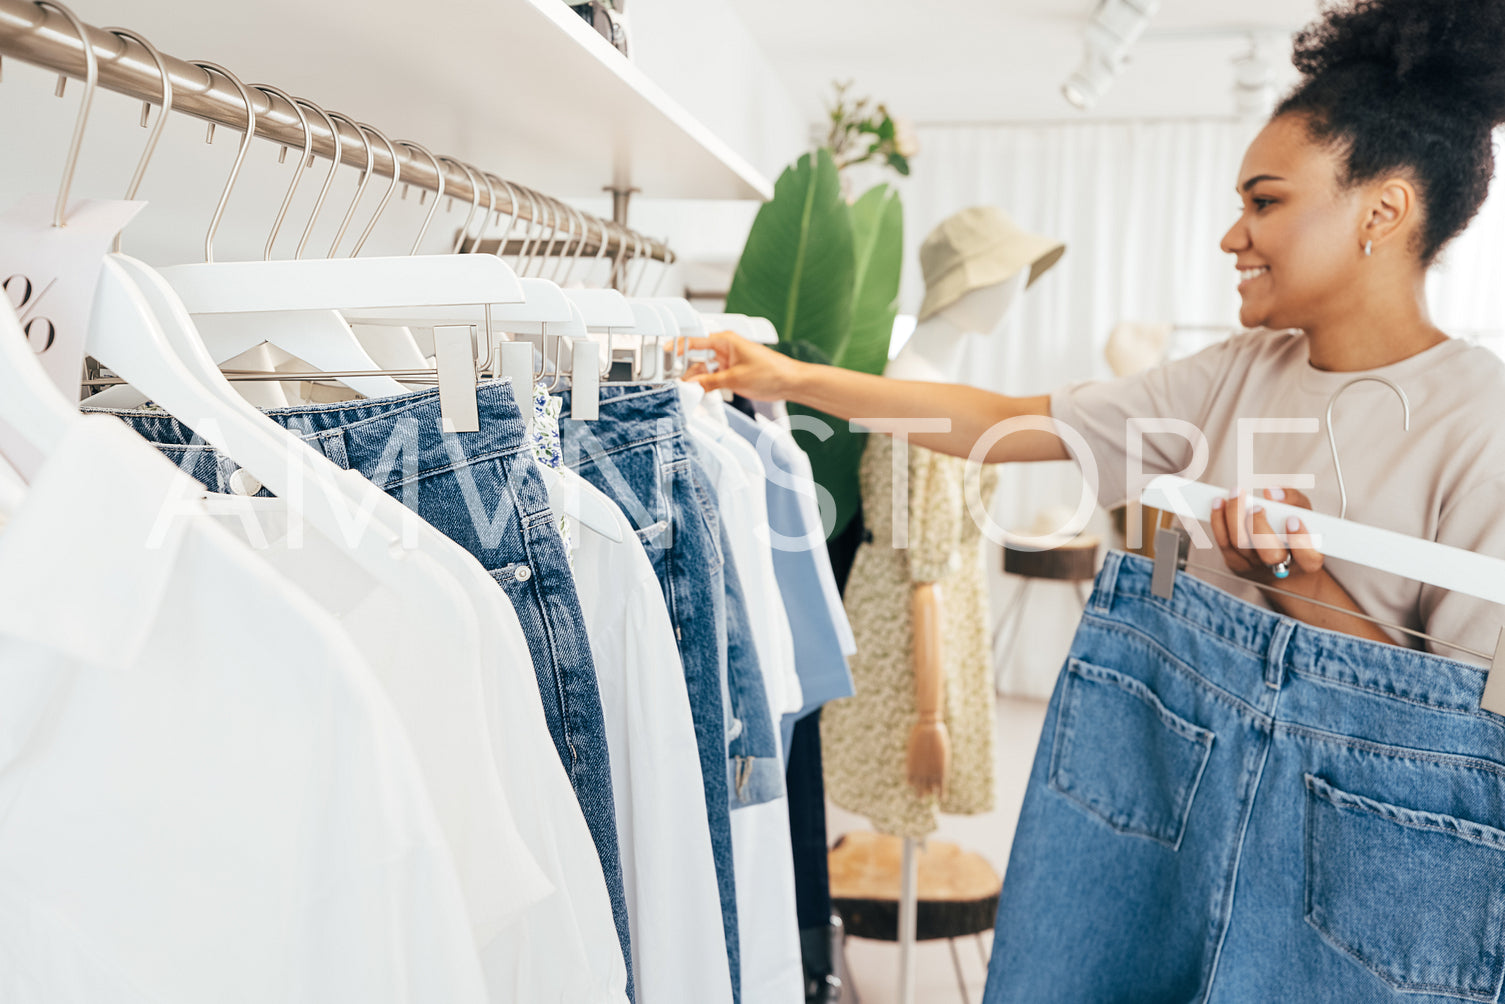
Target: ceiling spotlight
{"type": "Point", "coordinates": [1112, 32]}
{"type": "Point", "coordinates": [1254, 80]}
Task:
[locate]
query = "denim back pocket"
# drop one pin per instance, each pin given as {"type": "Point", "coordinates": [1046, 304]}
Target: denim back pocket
{"type": "Point", "coordinates": [1417, 898]}
{"type": "Point", "coordinates": [1123, 756]}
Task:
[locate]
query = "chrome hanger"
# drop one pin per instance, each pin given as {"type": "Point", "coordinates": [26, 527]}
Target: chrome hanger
{"type": "Point", "coordinates": [1332, 441]}
{"type": "Point", "coordinates": [91, 83]}
{"type": "Point", "coordinates": [298, 169]}
{"type": "Point", "coordinates": [334, 164]}
{"type": "Point", "coordinates": [360, 187]}
{"type": "Point", "coordinates": [386, 196]}
{"type": "Point", "coordinates": [146, 107]}
{"type": "Point", "coordinates": [475, 201]}
{"type": "Point", "coordinates": [240, 154]}
{"type": "Point", "coordinates": [438, 194]}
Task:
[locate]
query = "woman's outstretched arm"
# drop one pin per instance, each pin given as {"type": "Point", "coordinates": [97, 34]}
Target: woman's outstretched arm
{"type": "Point", "coordinates": [758, 372]}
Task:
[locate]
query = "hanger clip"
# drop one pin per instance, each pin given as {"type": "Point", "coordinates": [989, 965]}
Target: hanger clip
{"type": "Point", "coordinates": [585, 379]}
{"type": "Point", "coordinates": [456, 361]}
{"type": "Point", "coordinates": [517, 365]}
{"type": "Point", "coordinates": [1493, 698]}
{"type": "Point", "coordinates": [1172, 545]}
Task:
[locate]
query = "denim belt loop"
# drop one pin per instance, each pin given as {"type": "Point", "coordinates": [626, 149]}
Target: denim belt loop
{"type": "Point", "coordinates": [1107, 579]}
{"type": "Point", "coordinates": [332, 444]}
{"type": "Point", "coordinates": [1275, 655]}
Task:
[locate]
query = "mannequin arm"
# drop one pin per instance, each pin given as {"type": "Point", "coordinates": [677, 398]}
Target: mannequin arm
{"type": "Point", "coordinates": [929, 744]}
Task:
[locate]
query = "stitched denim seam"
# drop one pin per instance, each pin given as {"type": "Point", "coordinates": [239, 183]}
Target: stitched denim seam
{"type": "Point", "coordinates": [635, 395]}
{"type": "Point", "coordinates": [1257, 654]}
{"type": "Point", "coordinates": [1395, 752]}
{"type": "Point", "coordinates": [1184, 797]}
{"type": "Point", "coordinates": [1217, 693]}
{"type": "Point", "coordinates": [1350, 684]}
{"type": "Point", "coordinates": [590, 456]}
{"type": "Point", "coordinates": [1229, 889]}
{"type": "Point", "coordinates": [470, 461]}
{"type": "Point", "coordinates": [1180, 726]}
{"type": "Point", "coordinates": [419, 400]}
{"type": "Point", "coordinates": [555, 662]}
{"type": "Point", "coordinates": [1491, 837]}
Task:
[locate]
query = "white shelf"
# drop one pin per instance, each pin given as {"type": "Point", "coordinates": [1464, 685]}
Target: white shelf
{"type": "Point", "coordinates": [523, 88]}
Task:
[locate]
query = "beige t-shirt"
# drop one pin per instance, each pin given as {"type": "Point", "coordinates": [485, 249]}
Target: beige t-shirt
{"type": "Point", "coordinates": [1444, 480]}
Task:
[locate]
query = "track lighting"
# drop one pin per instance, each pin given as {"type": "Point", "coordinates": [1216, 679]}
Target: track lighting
{"type": "Point", "coordinates": [1112, 32]}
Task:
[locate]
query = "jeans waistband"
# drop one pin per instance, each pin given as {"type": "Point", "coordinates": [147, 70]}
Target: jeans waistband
{"type": "Point", "coordinates": [413, 419]}
{"type": "Point", "coordinates": [1207, 616]}
{"type": "Point", "coordinates": [631, 415]}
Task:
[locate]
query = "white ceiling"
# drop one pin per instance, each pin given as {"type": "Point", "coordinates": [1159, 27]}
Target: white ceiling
{"type": "Point", "coordinates": [1005, 60]}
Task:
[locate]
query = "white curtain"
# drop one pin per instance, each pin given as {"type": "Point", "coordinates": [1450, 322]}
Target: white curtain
{"type": "Point", "coordinates": [1141, 208]}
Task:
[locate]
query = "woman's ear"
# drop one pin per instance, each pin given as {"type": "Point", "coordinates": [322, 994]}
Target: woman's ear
{"type": "Point", "coordinates": [1393, 210]}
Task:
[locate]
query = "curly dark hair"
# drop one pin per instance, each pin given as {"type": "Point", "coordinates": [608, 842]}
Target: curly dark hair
{"type": "Point", "coordinates": [1408, 85]}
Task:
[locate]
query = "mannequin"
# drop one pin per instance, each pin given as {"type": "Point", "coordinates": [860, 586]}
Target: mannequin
{"type": "Point", "coordinates": [940, 350]}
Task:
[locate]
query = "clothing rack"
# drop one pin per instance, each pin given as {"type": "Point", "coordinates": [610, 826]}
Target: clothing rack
{"type": "Point", "coordinates": [44, 37]}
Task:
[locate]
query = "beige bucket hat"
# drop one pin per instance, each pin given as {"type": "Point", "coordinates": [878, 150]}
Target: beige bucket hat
{"type": "Point", "coordinates": [977, 247]}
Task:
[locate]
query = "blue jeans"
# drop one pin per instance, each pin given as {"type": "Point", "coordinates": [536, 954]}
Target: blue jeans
{"type": "Point", "coordinates": [1228, 805]}
{"type": "Point", "coordinates": [483, 491]}
{"type": "Point", "coordinates": [639, 455]}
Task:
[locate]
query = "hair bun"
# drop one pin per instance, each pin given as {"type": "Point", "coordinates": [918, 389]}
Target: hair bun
{"type": "Point", "coordinates": [1452, 50]}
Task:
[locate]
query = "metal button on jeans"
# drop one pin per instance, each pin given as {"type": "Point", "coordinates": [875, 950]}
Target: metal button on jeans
{"type": "Point", "coordinates": [523, 573]}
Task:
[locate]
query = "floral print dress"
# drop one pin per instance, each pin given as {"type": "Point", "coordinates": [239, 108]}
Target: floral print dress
{"type": "Point", "coordinates": [865, 738]}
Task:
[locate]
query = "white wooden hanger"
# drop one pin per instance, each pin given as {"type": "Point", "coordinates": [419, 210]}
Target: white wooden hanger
{"type": "Point", "coordinates": [125, 335]}
{"type": "Point", "coordinates": [1374, 547]}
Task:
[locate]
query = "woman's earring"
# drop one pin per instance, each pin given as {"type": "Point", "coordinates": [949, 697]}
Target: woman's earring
{"type": "Point", "coordinates": [1368, 248]}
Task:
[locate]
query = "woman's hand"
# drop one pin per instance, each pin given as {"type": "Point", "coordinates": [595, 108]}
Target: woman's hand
{"type": "Point", "coordinates": [1252, 549]}
{"type": "Point", "coordinates": [744, 367]}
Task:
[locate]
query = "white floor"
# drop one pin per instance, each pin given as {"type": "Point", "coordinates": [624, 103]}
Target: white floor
{"type": "Point", "coordinates": [874, 965]}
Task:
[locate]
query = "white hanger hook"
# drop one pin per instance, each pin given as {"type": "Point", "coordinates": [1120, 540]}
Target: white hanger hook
{"type": "Point", "coordinates": [1332, 441]}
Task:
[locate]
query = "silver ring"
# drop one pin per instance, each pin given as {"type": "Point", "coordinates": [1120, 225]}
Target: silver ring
{"type": "Point", "coordinates": [1281, 569]}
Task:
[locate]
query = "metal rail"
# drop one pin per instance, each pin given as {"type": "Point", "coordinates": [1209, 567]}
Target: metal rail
{"type": "Point", "coordinates": [42, 37]}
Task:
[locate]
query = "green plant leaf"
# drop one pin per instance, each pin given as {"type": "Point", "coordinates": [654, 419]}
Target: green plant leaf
{"type": "Point", "coordinates": [798, 266]}
{"type": "Point", "coordinates": [804, 352]}
{"type": "Point", "coordinates": [878, 231]}
{"type": "Point", "coordinates": [899, 163]}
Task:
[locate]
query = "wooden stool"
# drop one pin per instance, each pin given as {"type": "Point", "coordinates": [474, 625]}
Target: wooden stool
{"type": "Point", "coordinates": [1074, 561]}
{"type": "Point", "coordinates": [958, 893]}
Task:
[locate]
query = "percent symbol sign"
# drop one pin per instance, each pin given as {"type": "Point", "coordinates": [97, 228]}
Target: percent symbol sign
{"type": "Point", "coordinates": [36, 328]}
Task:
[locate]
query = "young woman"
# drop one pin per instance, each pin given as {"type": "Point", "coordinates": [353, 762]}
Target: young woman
{"type": "Point", "coordinates": [1380, 156]}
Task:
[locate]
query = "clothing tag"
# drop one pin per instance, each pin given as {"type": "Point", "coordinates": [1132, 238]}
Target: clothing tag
{"type": "Point", "coordinates": [1494, 684]}
{"type": "Point", "coordinates": [517, 363]}
{"type": "Point", "coordinates": [48, 273]}
{"type": "Point", "coordinates": [457, 378]}
{"type": "Point", "coordinates": [585, 380]}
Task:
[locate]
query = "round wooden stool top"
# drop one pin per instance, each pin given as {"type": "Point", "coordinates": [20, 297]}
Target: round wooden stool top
{"type": "Point", "coordinates": [1073, 561]}
{"type": "Point", "coordinates": [958, 890]}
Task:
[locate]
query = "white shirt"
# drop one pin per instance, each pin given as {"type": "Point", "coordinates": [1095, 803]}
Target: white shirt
{"type": "Point", "coordinates": [738, 475]}
{"type": "Point", "coordinates": [762, 853]}
{"type": "Point", "coordinates": [194, 807]}
{"type": "Point", "coordinates": [668, 870]}
{"type": "Point", "coordinates": [804, 476]}
{"type": "Point", "coordinates": [418, 633]}
{"type": "Point", "coordinates": [564, 947]}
